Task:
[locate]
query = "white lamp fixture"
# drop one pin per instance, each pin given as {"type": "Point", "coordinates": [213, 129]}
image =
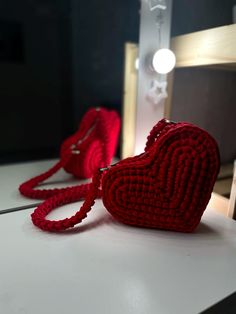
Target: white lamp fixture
{"type": "Point", "coordinates": [163, 61]}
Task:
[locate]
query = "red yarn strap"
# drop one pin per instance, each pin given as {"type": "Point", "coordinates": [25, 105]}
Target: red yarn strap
{"type": "Point", "coordinates": [27, 188]}
{"type": "Point", "coordinates": [103, 120]}
{"type": "Point", "coordinates": [156, 131]}
{"type": "Point", "coordinates": [70, 195]}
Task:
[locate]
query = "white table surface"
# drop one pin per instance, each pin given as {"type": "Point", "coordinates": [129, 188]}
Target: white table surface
{"type": "Point", "coordinates": [104, 267]}
{"type": "Point", "coordinates": [12, 175]}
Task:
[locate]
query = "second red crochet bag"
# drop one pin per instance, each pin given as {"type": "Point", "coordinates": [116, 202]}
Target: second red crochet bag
{"type": "Point", "coordinates": [166, 187]}
{"type": "Point", "coordinates": [92, 146]}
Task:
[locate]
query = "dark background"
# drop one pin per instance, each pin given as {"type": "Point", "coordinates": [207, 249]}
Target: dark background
{"type": "Point", "coordinates": [57, 58]}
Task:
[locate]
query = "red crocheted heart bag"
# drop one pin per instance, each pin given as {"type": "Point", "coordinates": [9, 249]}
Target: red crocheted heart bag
{"type": "Point", "coordinates": [166, 187]}
{"type": "Point", "coordinates": [92, 146]}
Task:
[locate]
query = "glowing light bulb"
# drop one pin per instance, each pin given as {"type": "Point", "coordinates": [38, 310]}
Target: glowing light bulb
{"type": "Point", "coordinates": [137, 64]}
{"type": "Point", "coordinates": [163, 61]}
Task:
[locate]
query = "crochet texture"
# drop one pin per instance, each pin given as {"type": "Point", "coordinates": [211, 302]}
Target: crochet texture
{"type": "Point", "coordinates": [166, 187]}
{"type": "Point", "coordinates": [92, 146]}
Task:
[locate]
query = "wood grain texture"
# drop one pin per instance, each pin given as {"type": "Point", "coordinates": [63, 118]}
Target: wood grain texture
{"type": "Point", "coordinates": [216, 46]}
{"type": "Point", "coordinates": [129, 101]}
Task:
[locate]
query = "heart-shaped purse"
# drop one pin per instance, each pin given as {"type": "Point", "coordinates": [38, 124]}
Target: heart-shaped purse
{"type": "Point", "coordinates": [92, 146]}
{"type": "Point", "coordinates": [167, 187]}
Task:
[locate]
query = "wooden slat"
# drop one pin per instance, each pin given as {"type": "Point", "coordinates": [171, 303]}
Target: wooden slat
{"type": "Point", "coordinates": [232, 201]}
{"type": "Point", "coordinates": [129, 101]}
{"type": "Point", "coordinates": [219, 203]}
{"type": "Point", "coordinates": [216, 46]}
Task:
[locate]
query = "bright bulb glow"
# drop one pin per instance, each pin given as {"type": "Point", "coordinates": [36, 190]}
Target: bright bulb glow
{"type": "Point", "coordinates": [137, 64]}
{"type": "Point", "coordinates": [163, 61]}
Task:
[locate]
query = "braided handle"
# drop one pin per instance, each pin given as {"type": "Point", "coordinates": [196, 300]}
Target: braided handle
{"type": "Point", "coordinates": [103, 123]}
{"type": "Point", "coordinates": [156, 131]}
{"type": "Point", "coordinates": [70, 195]}
{"type": "Point", "coordinates": [27, 188]}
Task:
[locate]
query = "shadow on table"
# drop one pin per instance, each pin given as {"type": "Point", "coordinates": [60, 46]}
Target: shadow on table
{"type": "Point", "coordinates": [106, 219]}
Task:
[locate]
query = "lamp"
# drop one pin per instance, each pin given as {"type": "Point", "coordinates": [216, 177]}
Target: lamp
{"type": "Point", "coordinates": [163, 61]}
